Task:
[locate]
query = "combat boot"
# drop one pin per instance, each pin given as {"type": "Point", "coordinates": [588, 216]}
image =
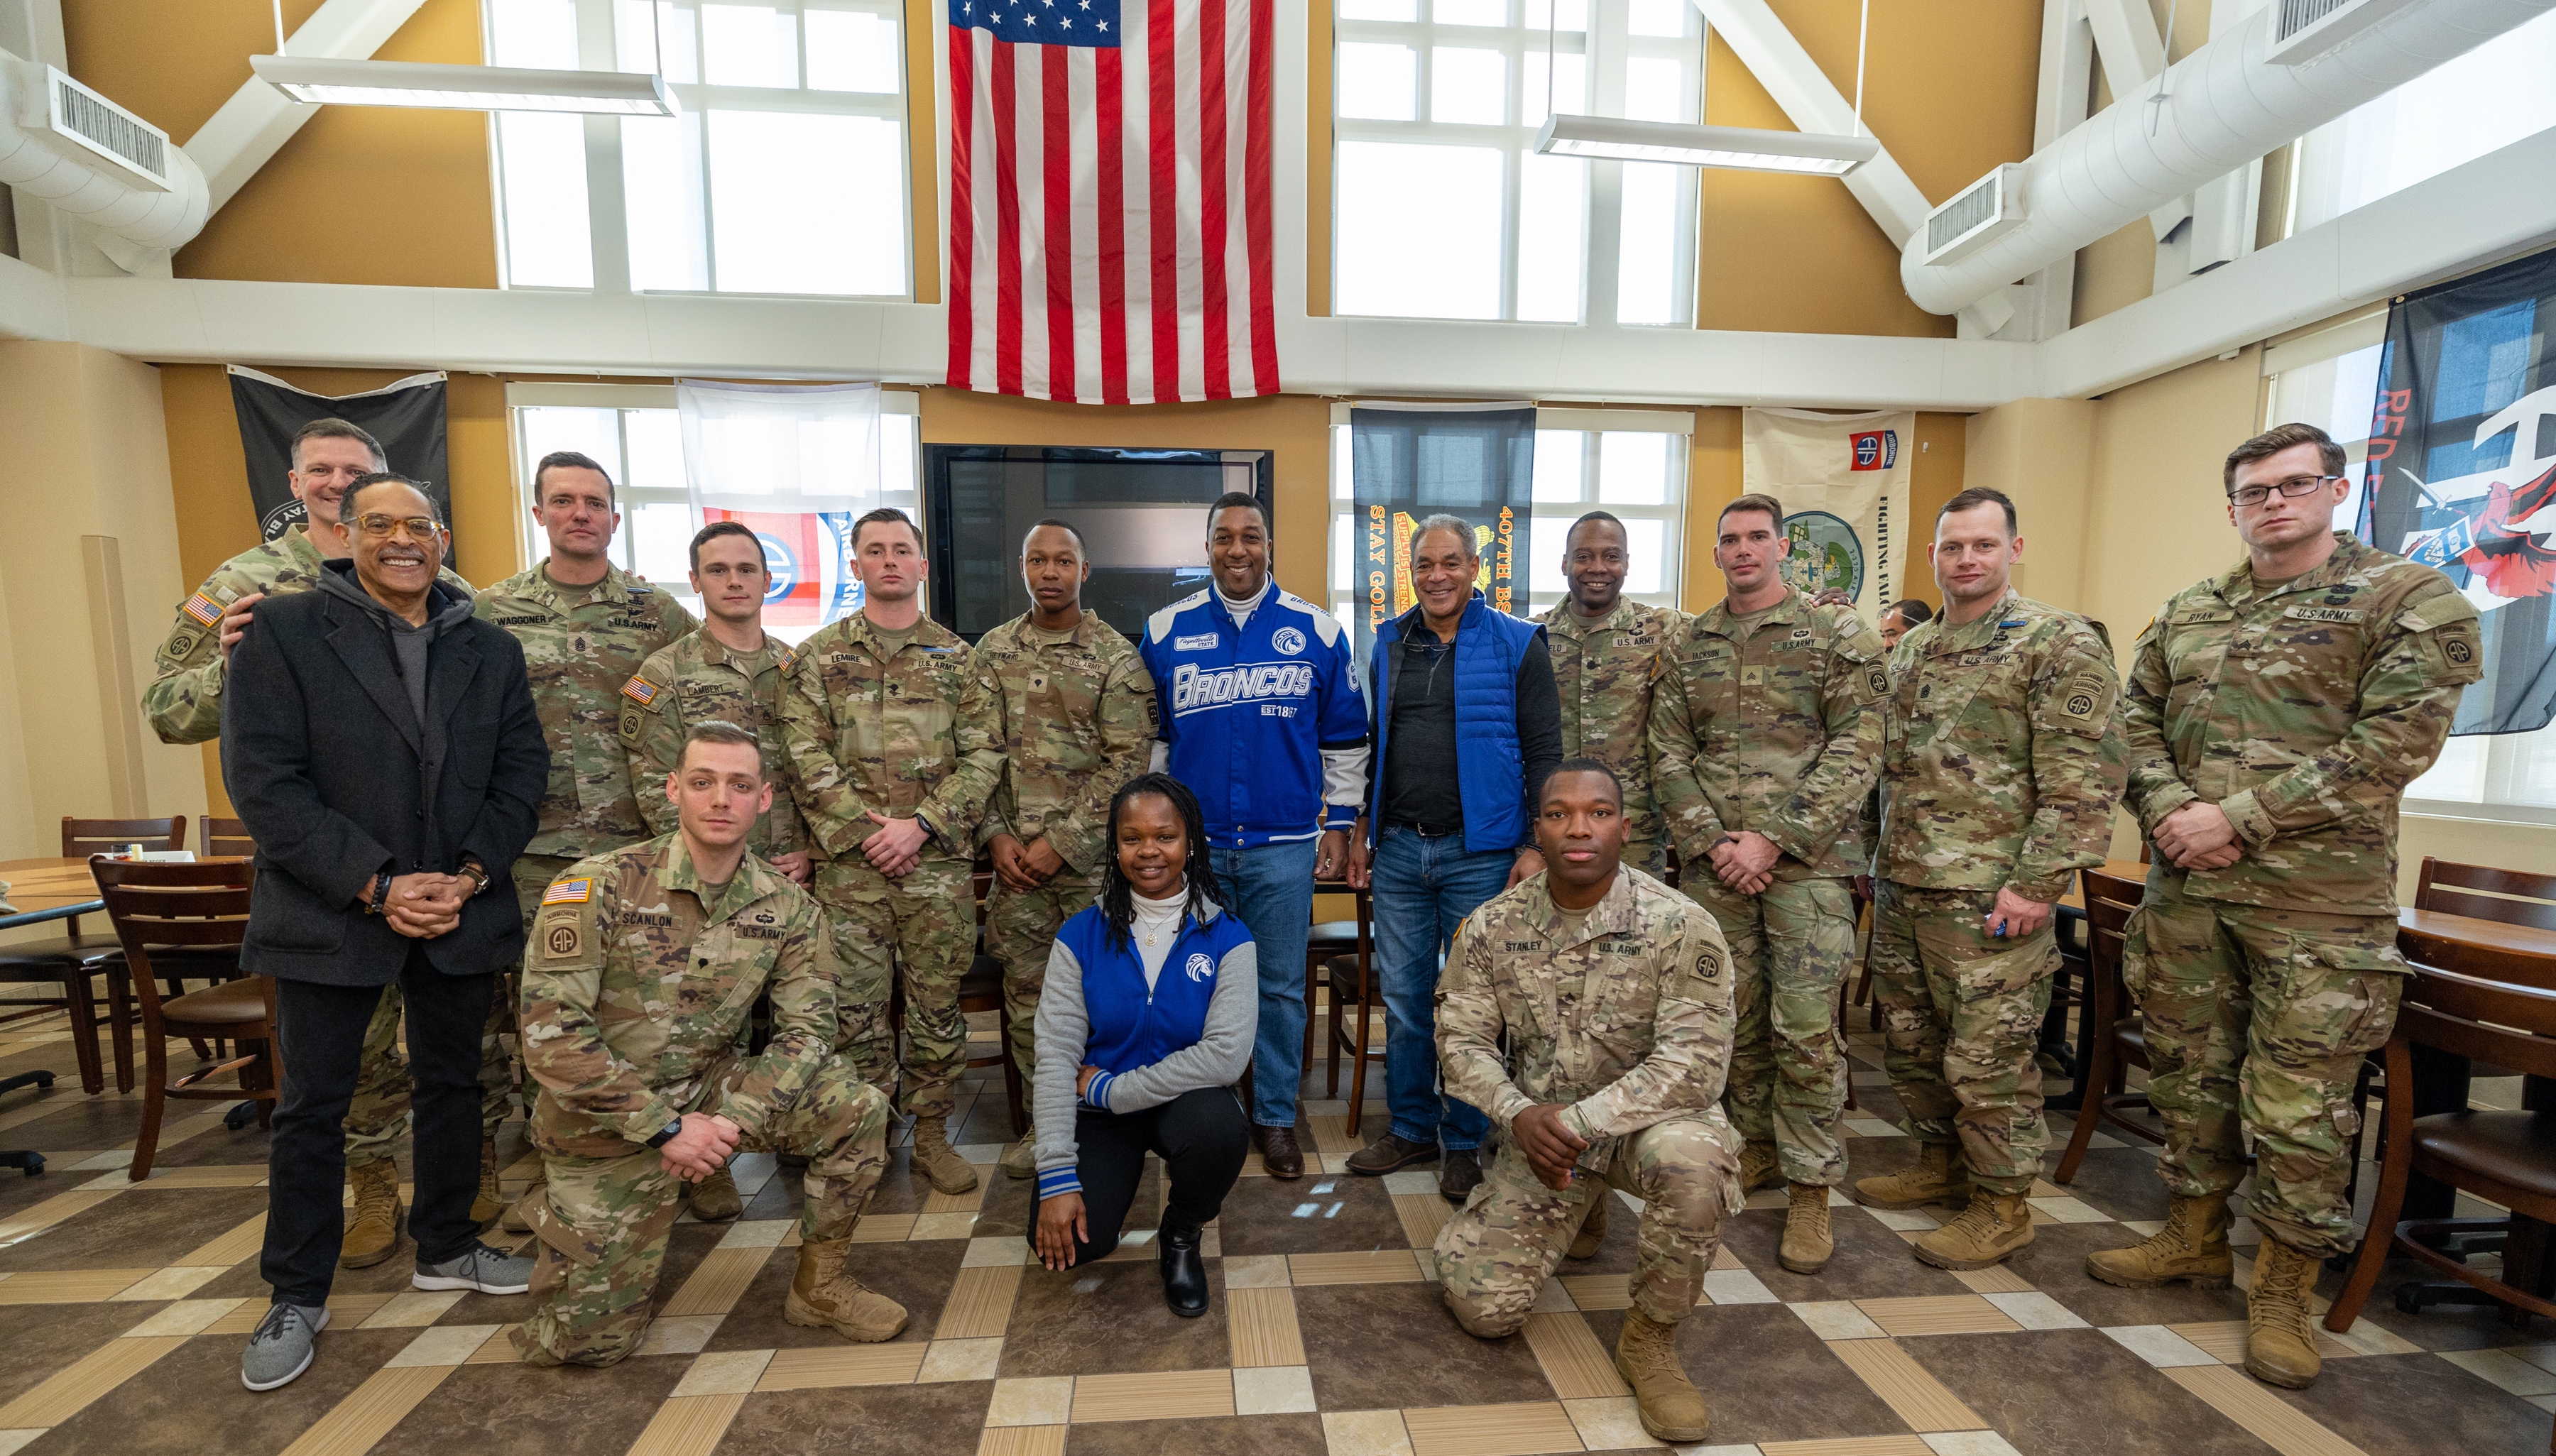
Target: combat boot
{"type": "Point", "coordinates": [941, 1163]}
{"type": "Point", "coordinates": [714, 1201]}
{"type": "Point", "coordinates": [1987, 1231]}
{"type": "Point", "coordinates": [519, 1214]}
{"type": "Point", "coordinates": [373, 1232]}
{"type": "Point", "coordinates": [1020, 1161]}
{"type": "Point", "coordinates": [2193, 1247]}
{"type": "Point", "coordinates": [823, 1296]}
{"type": "Point", "coordinates": [1808, 1244]}
{"type": "Point", "coordinates": [2280, 1345]}
{"type": "Point", "coordinates": [1671, 1407]}
{"type": "Point", "coordinates": [1757, 1166]}
{"type": "Point", "coordinates": [1939, 1176]}
{"type": "Point", "coordinates": [485, 1204]}
{"type": "Point", "coordinates": [1593, 1228]}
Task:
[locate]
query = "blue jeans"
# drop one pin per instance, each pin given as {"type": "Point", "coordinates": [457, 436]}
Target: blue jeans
{"type": "Point", "coordinates": [1272, 888]}
{"type": "Point", "coordinates": [1424, 888]}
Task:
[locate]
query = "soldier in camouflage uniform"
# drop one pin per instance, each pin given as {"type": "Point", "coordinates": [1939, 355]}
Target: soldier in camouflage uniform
{"type": "Point", "coordinates": [586, 626]}
{"type": "Point", "coordinates": [1613, 992]}
{"type": "Point", "coordinates": [1765, 742]}
{"type": "Point", "coordinates": [184, 704]}
{"type": "Point", "coordinates": [2001, 763]}
{"type": "Point", "coordinates": [645, 963]}
{"type": "Point", "coordinates": [1605, 657]}
{"type": "Point", "coordinates": [1076, 708]}
{"type": "Point", "coordinates": [2275, 713]}
{"type": "Point", "coordinates": [895, 743]}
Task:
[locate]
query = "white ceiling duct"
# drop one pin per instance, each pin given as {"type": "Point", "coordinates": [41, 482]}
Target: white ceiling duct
{"type": "Point", "coordinates": [2218, 109]}
{"type": "Point", "coordinates": [93, 160]}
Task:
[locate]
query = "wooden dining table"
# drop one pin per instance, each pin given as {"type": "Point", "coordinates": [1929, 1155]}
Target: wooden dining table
{"type": "Point", "coordinates": [49, 889]}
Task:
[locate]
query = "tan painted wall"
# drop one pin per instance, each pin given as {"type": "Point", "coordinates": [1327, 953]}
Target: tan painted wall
{"type": "Point", "coordinates": [84, 476]}
{"type": "Point", "coordinates": [2037, 452]}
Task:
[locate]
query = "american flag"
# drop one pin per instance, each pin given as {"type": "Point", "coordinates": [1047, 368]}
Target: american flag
{"type": "Point", "coordinates": [1109, 223]}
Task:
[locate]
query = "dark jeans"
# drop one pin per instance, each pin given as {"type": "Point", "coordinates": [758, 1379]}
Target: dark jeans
{"type": "Point", "coordinates": [321, 1029]}
{"type": "Point", "coordinates": [1202, 1137]}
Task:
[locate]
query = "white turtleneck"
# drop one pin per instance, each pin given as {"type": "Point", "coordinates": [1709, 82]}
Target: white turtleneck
{"type": "Point", "coordinates": [1156, 925]}
{"type": "Point", "coordinates": [1241, 609]}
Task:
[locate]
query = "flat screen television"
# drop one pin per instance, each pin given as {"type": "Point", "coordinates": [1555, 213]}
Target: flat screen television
{"type": "Point", "coordinates": [1142, 515]}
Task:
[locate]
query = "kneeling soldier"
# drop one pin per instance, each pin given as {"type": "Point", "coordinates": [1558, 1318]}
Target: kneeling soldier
{"type": "Point", "coordinates": [1615, 992]}
{"type": "Point", "coordinates": [643, 964]}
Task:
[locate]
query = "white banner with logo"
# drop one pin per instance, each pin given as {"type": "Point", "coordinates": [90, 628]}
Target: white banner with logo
{"type": "Point", "coordinates": [1843, 482]}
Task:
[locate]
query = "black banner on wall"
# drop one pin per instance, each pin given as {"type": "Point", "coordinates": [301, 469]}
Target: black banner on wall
{"type": "Point", "coordinates": [406, 415]}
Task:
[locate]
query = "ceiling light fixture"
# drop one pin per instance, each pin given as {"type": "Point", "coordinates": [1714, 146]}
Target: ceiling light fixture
{"type": "Point", "coordinates": [318, 80]}
{"type": "Point", "coordinates": [1749, 149]}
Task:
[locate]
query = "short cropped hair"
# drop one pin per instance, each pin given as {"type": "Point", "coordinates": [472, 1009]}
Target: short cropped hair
{"type": "Point", "coordinates": [1976, 496]}
{"type": "Point", "coordinates": [1754, 501]}
{"type": "Point", "coordinates": [1595, 518]}
{"type": "Point", "coordinates": [717, 528]}
{"type": "Point", "coordinates": [2330, 457]}
{"type": "Point", "coordinates": [1586, 766]}
{"type": "Point", "coordinates": [573, 460]}
{"type": "Point", "coordinates": [1912, 611]}
{"type": "Point", "coordinates": [1064, 526]}
{"type": "Point", "coordinates": [1237, 500]}
{"type": "Point", "coordinates": [1441, 520]}
{"type": "Point", "coordinates": [332, 428]}
{"type": "Point", "coordinates": [886, 516]}
{"type": "Point", "coordinates": [346, 512]}
{"type": "Point", "coordinates": [719, 730]}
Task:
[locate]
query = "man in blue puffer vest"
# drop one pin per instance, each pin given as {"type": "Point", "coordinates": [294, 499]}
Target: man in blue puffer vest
{"type": "Point", "coordinates": [1467, 724]}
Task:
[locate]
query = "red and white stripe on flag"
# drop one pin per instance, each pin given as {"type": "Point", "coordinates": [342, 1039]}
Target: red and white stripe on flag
{"type": "Point", "coordinates": [1109, 187]}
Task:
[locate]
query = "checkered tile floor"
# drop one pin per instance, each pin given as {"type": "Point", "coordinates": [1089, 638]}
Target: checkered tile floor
{"type": "Point", "coordinates": [123, 1308]}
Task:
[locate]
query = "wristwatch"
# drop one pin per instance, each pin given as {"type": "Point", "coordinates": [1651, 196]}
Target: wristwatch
{"type": "Point", "coordinates": [665, 1134]}
{"type": "Point", "coordinates": [381, 895]}
{"type": "Point", "coordinates": [477, 877]}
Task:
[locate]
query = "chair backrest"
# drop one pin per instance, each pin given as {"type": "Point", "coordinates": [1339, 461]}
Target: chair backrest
{"type": "Point", "coordinates": [2514, 897]}
{"type": "Point", "coordinates": [2483, 1021]}
{"type": "Point", "coordinates": [2109, 902]}
{"type": "Point", "coordinates": [224, 837]}
{"type": "Point", "coordinates": [84, 837]}
{"type": "Point", "coordinates": [201, 905]}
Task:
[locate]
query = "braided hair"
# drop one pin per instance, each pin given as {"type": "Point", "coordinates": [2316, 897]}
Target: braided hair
{"type": "Point", "coordinates": [1117, 896]}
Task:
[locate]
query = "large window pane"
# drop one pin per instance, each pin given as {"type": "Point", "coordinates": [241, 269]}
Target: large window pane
{"type": "Point", "coordinates": [1420, 230]}
{"type": "Point", "coordinates": [1552, 210]}
{"type": "Point", "coordinates": [1657, 17]}
{"type": "Point", "coordinates": [1656, 90]}
{"type": "Point", "coordinates": [1378, 82]}
{"type": "Point", "coordinates": [656, 439]}
{"type": "Point", "coordinates": [1633, 469]}
{"type": "Point", "coordinates": [852, 51]}
{"type": "Point", "coordinates": [661, 183]}
{"type": "Point", "coordinates": [749, 46]}
{"type": "Point", "coordinates": [1646, 550]}
{"type": "Point", "coordinates": [1470, 11]}
{"type": "Point", "coordinates": [1646, 265]}
{"type": "Point", "coordinates": [1389, 10]}
{"type": "Point", "coordinates": [654, 36]}
{"type": "Point", "coordinates": [661, 539]}
{"type": "Point", "coordinates": [595, 433]}
{"type": "Point", "coordinates": [1468, 86]}
{"type": "Point", "coordinates": [1556, 466]}
{"type": "Point", "coordinates": [1573, 14]}
{"type": "Point", "coordinates": [806, 205]}
{"type": "Point", "coordinates": [1568, 88]}
{"type": "Point", "coordinates": [2458, 111]}
{"type": "Point", "coordinates": [533, 32]}
{"type": "Point", "coordinates": [541, 161]}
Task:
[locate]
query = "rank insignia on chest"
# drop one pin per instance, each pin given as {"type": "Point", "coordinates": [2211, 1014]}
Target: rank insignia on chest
{"type": "Point", "coordinates": [1038, 683]}
{"type": "Point", "coordinates": [568, 892]}
{"type": "Point", "coordinates": [1753, 676]}
{"type": "Point", "coordinates": [640, 690]}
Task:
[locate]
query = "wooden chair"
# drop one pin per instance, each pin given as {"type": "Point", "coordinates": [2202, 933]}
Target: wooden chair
{"type": "Point", "coordinates": [2503, 1157]}
{"type": "Point", "coordinates": [1354, 938]}
{"type": "Point", "coordinates": [2121, 1036]}
{"type": "Point", "coordinates": [201, 908]}
{"type": "Point", "coordinates": [2514, 897]}
{"type": "Point", "coordinates": [224, 838]}
{"type": "Point", "coordinates": [73, 959]}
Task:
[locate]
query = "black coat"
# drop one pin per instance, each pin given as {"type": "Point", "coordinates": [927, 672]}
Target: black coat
{"type": "Point", "coordinates": [326, 765]}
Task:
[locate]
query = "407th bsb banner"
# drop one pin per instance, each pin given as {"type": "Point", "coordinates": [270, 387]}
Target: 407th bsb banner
{"type": "Point", "coordinates": [1110, 222]}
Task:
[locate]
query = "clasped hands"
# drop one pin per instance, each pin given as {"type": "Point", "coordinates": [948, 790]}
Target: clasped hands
{"type": "Point", "coordinates": [1745, 861]}
{"type": "Point", "coordinates": [702, 1148]}
{"type": "Point", "coordinates": [2197, 836]}
{"type": "Point", "coordinates": [1024, 867]}
{"type": "Point", "coordinates": [895, 847]}
{"type": "Point", "coordinates": [426, 905]}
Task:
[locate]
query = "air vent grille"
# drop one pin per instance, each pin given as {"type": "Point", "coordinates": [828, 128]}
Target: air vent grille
{"type": "Point", "coordinates": [1963, 214]}
{"type": "Point", "coordinates": [2298, 15]}
{"type": "Point", "coordinates": [109, 129]}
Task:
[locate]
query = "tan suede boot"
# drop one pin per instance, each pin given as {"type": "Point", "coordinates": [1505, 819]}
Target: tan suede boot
{"type": "Point", "coordinates": [714, 1201]}
{"type": "Point", "coordinates": [938, 1161]}
{"type": "Point", "coordinates": [1808, 1244]}
{"type": "Point", "coordinates": [1939, 1176]}
{"type": "Point", "coordinates": [1020, 1161]}
{"type": "Point", "coordinates": [2192, 1247]}
{"type": "Point", "coordinates": [1671, 1407]}
{"type": "Point", "coordinates": [1987, 1231]}
{"type": "Point", "coordinates": [485, 1204]}
{"type": "Point", "coordinates": [1593, 1228]}
{"type": "Point", "coordinates": [518, 1215]}
{"type": "Point", "coordinates": [373, 1230]}
{"type": "Point", "coordinates": [823, 1296]}
{"type": "Point", "coordinates": [1757, 1166]}
{"type": "Point", "coordinates": [2280, 1343]}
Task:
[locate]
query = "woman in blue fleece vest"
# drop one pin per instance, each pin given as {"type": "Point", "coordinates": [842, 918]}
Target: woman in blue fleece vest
{"type": "Point", "coordinates": [1145, 1026]}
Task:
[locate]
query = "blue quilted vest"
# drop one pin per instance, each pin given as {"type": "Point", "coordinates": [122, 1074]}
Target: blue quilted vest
{"type": "Point", "coordinates": [1491, 771]}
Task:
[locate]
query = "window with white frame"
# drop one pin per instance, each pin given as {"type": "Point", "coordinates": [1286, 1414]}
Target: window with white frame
{"type": "Point", "coordinates": [1630, 463]}
{"type": "Point", "coordinates": [634, 434]}
{"type": "Point", "coordinates": [1441, 206]}
{"type": "Point", "coordinates": [786, 172]}
{"type": "Point", "coordinates": [2504, 776]}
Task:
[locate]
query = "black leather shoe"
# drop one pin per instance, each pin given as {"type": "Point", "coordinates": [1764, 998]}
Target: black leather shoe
{"type": "Point", "coordinates": [1387, 1153]}
{"type": "Point", "coordinates": [1184, 1272]}
{"type": "Point", "coordinates": [1460, 1174]}
{"type": "Point", "coordinates": [1279, 1154]}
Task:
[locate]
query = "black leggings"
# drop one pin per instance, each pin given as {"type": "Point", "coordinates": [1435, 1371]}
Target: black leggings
{"type": "Point", "coordinates": [1203, 1138]}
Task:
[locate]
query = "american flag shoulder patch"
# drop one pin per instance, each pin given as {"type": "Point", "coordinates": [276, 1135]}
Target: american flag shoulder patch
{"type": "Point", "coordinates": [640, 690]}
{"type": "Point", "coordinates": [568, 892]}
{"type": "Point", "coordinates": [203, 609]}
{"type": "Point", "coordinates": [788, 658]}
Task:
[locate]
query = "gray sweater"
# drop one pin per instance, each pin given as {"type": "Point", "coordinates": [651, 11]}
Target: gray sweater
{"type": "Point", "coordinates": [1218, 1059]}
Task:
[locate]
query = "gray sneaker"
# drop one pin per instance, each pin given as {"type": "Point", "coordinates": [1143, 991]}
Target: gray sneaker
{"type": "Point", "coordinates": [282, 1347]}
{"type": "Point", "coordinates": [478, 1267]}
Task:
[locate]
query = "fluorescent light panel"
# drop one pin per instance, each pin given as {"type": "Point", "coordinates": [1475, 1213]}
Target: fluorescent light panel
{"type": "Point", "coordinates": [317, 80]}
{"type": "Point", "coordinates": [1624, 140]}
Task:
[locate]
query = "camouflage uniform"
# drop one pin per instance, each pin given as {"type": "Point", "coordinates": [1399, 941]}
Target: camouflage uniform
{"type": "Point", "coordinates": [636, 989]}
{"type": "Point", "coordinates": [1605, 671]}
{"type": "Point", "coordinates": [1778, 731]}
{"type": "Point", "coordinates": [1076, 711]}
{"type": "Point", "coordinates": [2301, 708]}
{"type": "Point", "coordinates": [692, 681]}
{"type": "Point", "coordinates": [581, 646]}
{"type": "Point", "coordinates": [1627, 1017]}
{"type": "Point", "coordinates": [185, 705]}
{"type": "Point", "coordinates": [908, 734]}
{"type": "Point", "coordinates": [2001, 762]}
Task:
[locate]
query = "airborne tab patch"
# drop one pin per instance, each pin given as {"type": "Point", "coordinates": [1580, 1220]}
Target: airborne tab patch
{"type": "Point", "coordinates": [568, 892]}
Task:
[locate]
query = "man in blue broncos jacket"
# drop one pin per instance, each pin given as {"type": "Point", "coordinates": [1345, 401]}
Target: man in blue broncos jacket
{"type": "Point", "coordinates": [1467, 724]}
{"type": "Point", "coordinates": [1257, 696]}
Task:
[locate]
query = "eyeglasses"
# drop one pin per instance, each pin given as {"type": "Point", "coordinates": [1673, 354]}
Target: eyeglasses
{"type": "Point", "coordinates": [377, 527]}
{"type": "Point", "coordinates": [2294, 487]}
